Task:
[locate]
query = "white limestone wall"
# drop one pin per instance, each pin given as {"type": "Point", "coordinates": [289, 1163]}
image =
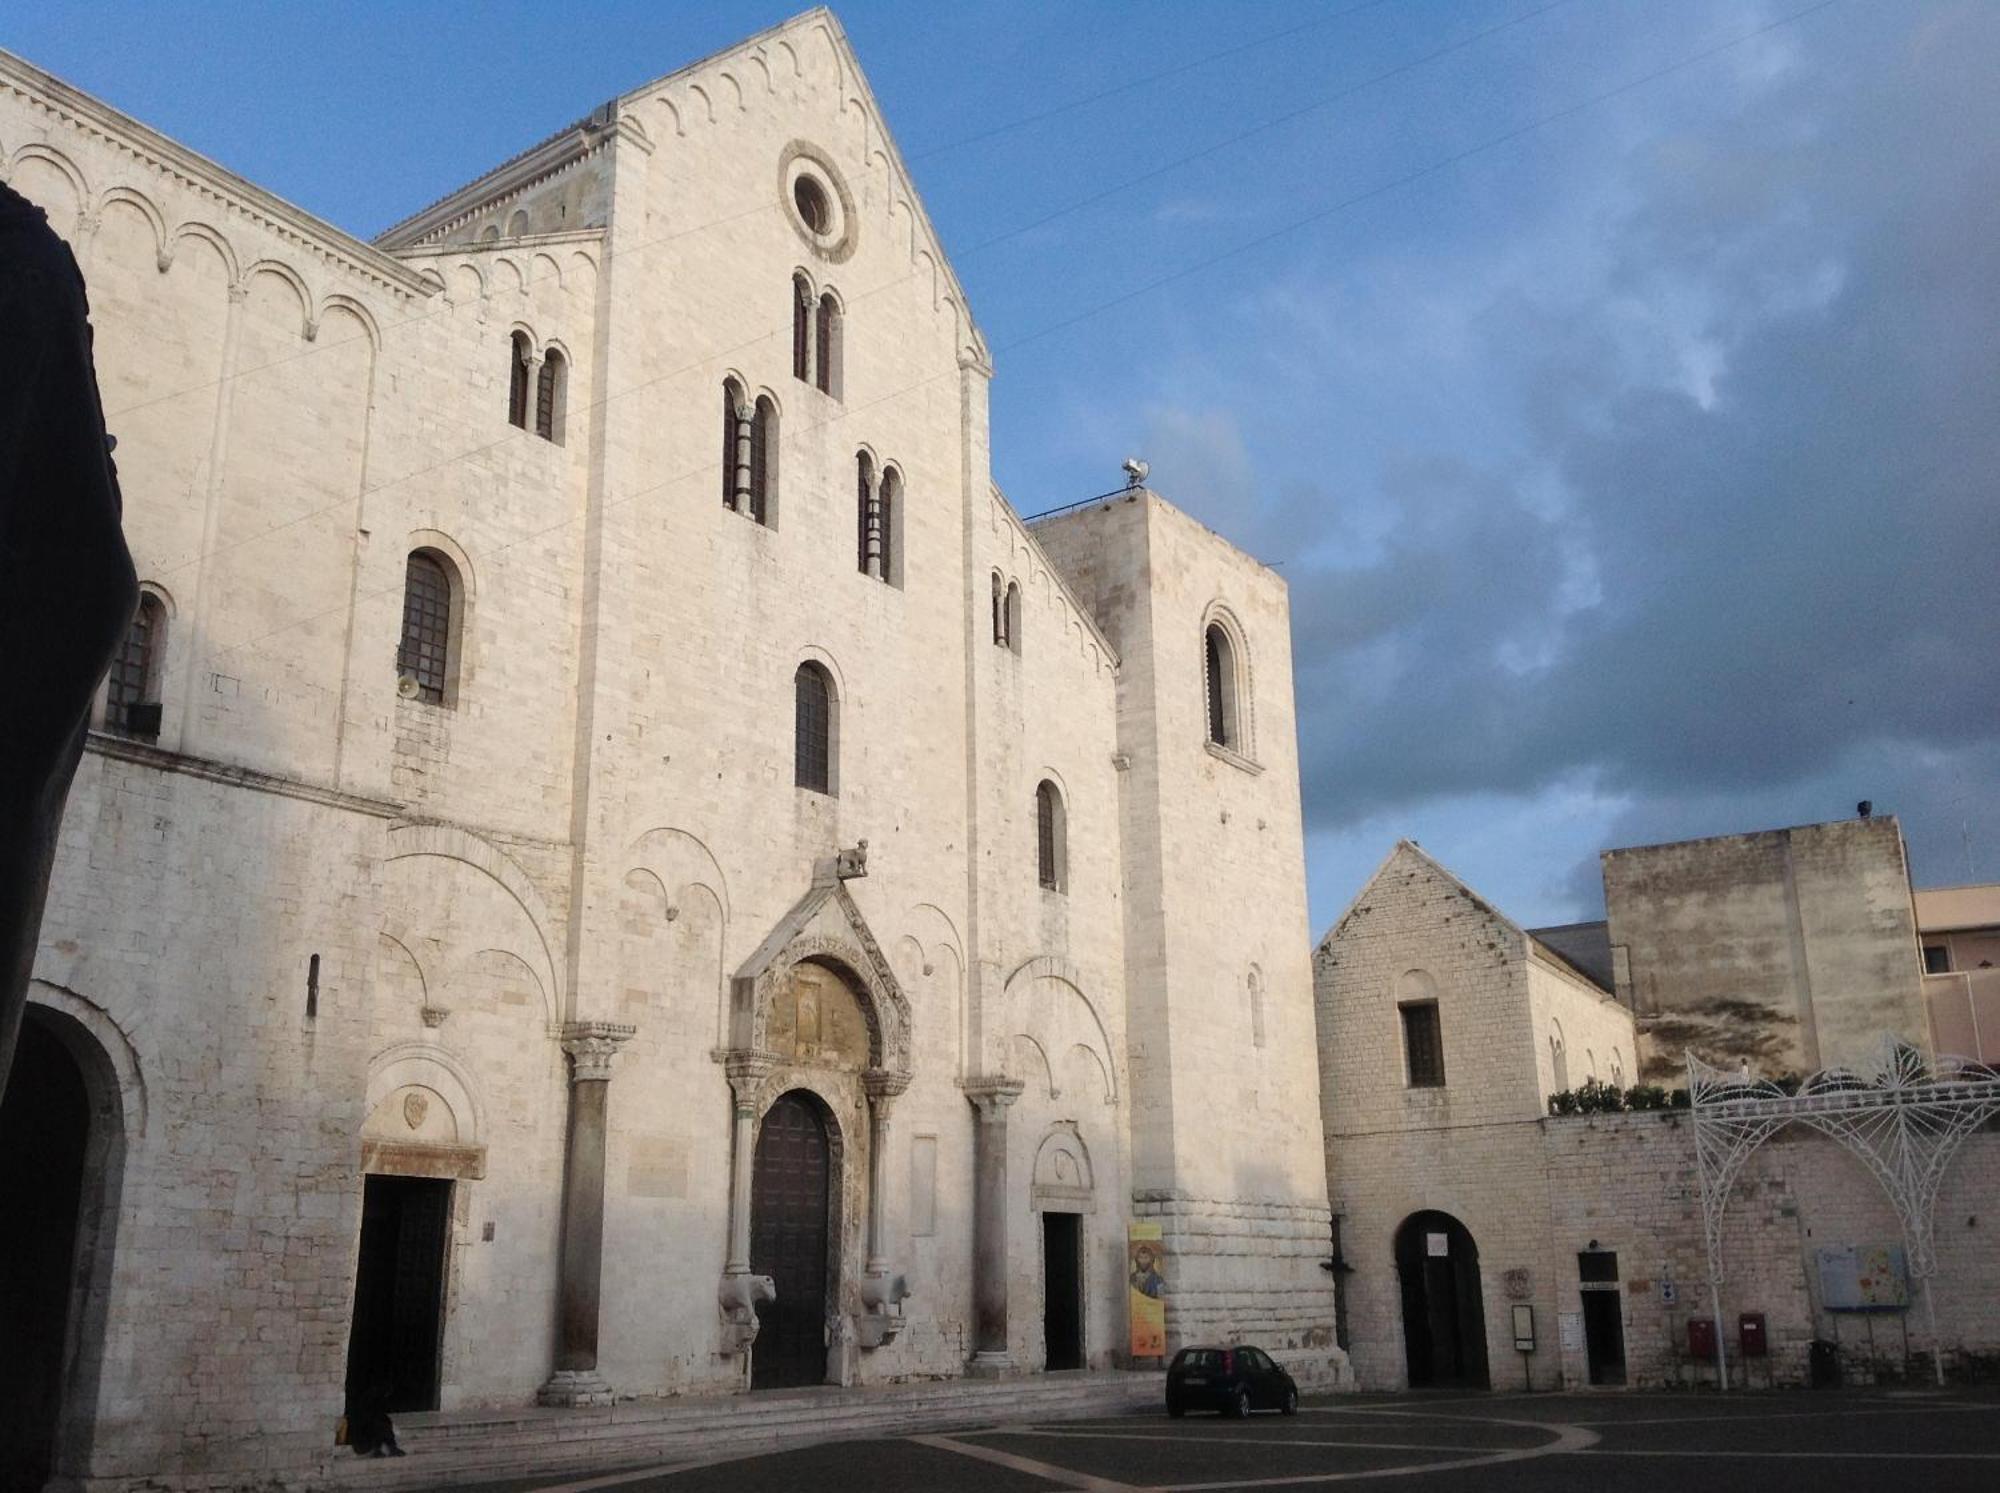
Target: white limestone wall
{"type": "Point", "coordinates": [1594, 1031]}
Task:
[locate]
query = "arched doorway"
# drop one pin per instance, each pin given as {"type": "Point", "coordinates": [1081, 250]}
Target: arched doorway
{"type": "Point", "coordinates": [792, 1202]}
{"type": "Point", "coordinates": [1444, 1317]}
{"type": "Point", "coordinates": [61, 1156]}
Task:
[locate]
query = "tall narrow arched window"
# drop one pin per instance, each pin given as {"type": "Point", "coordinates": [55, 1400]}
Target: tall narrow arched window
{"type": "Point", "coordinates": [826, 346]}
{"type": "Point", "coordinates": [889, 508]}
{"type": "Point", "coordinates": [1256, 992]}
{"type": "Point", "coordinates": [1558, 1059]}
{"type": "Point", "coordinates": [763, 460]}
{"type": "Point", "coordinates": [813, 728]}
{"type": "Point", "coordinates": [519, 356]}
{"type": "Point", "coordinates": [1051, 838]}
{"type": "Point", "coordinates": [550, 390]}
{"type": "Point", "coordinates": [732, 406]}
{"type": "Point", "coordinates": [1219, 667]}
{"type": "Point", "coordinates": [132, 697]}
{"type": "Point", "coordinates": [1013, 617]}
{"type": "Point", "coordinates": [802, 317]}
{"type": "Point", "coordinates": [999, 612]}
{"type": "Point", "coordinates": [864, 515]}
{"type": "Point", "coordinates": [426, 655]}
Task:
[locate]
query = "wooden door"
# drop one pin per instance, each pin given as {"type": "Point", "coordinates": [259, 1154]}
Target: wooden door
{"type": "Point", "coordinates": [789, 1197]}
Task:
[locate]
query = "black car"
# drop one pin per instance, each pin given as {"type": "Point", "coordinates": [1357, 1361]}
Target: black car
{"type": "Point", "coordinates": [1233, 1381]}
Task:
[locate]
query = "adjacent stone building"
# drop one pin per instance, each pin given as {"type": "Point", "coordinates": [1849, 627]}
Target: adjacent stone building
{"type": "Point", "coordinates": [614, 861]}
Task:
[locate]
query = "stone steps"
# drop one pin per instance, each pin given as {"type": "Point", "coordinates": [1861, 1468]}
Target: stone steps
{"type": "Point", "coordinates": [487, 1445]}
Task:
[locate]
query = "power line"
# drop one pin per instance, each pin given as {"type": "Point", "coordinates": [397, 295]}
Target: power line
{"type": "Point", "coordinates": [1542, 121]}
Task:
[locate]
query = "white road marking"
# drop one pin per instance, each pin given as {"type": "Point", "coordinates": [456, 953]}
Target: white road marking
{"type": "Point", "coordinates": [1067, 1477]}
{"type": "Point", "coordinates": [637, 1474]}
{"type": "Point", "coordinates": [1567, 1439]}
{"type": "Point", "coordinates": [1393, 1446]}
{"type": "Point", "coordinates": [1723, 1456]}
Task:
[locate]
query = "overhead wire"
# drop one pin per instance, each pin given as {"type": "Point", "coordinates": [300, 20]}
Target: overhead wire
{"type": "Point", "coordinates": [1491, 143]}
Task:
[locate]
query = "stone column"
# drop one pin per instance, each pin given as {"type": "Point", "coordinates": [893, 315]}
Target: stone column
{"type": "Point", "coordinates": [591, 1046]}
{"type": "Point", "coordinates": [747, 1072]}
{"type": "Point", "coordinates": [990, 1098]}
{"type": "Point", "coordinates": [740, 488]}
{"type": "Point", "coordinates": [882, 1088]}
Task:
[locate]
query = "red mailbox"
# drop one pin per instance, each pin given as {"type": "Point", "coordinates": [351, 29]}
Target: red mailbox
{"type": "Point", "coordinates": [1701, 1337]}
{"type": "Point", "coordinates": [1750, 1334]}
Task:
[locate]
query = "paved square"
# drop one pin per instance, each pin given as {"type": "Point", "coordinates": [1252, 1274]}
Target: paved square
{"type": "Point", "coordinates": [1881, 1440]}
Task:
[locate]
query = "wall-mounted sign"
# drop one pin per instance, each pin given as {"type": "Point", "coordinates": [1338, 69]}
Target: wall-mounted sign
{"type": "Point", "coordinates": [1863, 1278]}
{"type": "Point", "coordinates": [1437, 1246]}
{"type": "Point", "coordinates": [1669, 1293]}
{"type": "Point", "coordinates": [1569, 1327]}
{"type": "Point", "coordinates": [1524, 1329]}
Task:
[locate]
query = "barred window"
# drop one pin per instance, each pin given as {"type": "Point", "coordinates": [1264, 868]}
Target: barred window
{"type": "Point", "coordinates": [864, 482]}
{"type": "Point", "coordinates": [1051, 851]}
{"type": "Point", "coordinates": [812, 737]}
{"type": "Point", "coordinates": [802, 317]}
{"type": "Point", "coordinates": [549, 395]}
{"type": "Point", "coordinates": [732, 399]}
{"type": "Point", "coordinates": [132, 700]}
{"type": "Point", "coordinates": [425, 654]}
{"type": "Point", "coordinates": [518, 357]}
{"type": "Point", "coordinates": [1423, 1042]}
{"type": "Point", "coordinates": [889, 502]}
{"type": "Point", "coordinates": [763, 448]}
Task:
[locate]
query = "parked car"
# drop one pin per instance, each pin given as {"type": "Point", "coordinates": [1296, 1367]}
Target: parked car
{"type": "Point", "coordinates": [1232, 1381]}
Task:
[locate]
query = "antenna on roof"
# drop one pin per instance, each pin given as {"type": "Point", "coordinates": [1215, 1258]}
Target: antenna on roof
{"type": "Point", "coordinates": [1136, 472]}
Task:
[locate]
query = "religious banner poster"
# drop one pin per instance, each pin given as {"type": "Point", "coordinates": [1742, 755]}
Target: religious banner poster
{"type": "Point", "coordinates": [1146, 1260]}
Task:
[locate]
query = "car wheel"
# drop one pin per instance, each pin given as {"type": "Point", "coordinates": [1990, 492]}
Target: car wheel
{"type": "Point", "coordinates": [1291, 1402]}
{"type": "Point", "coordinates": [1239, 1405]}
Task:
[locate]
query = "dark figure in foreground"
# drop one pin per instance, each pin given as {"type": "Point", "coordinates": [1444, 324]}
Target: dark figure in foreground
{"type": "Point", "coordinates": [67, 589]}
{"type": "Point", "coordinates": [369, 1430]}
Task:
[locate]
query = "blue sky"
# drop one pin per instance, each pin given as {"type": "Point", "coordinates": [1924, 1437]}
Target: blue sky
{"type": "Point", "coordinates": [1623, 417]}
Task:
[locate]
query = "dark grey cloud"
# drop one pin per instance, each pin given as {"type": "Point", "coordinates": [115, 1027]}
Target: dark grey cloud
{"type": "Point", "coordinates": [1749, 555]}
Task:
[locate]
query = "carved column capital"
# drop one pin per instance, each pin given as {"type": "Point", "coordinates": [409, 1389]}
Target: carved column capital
{"type": "Point", "coordinates": [747, 1071]}
{"type": "Point", "coordinates": [881, 1085]}
{"type": "Point", "coordinates": [992, 1094]}
{"type": "Point", "coordinates": [591, 1046]}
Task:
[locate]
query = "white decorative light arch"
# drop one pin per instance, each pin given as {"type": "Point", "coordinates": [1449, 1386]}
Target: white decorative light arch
{"type": "Point", "coordinates": [1905, 1121]}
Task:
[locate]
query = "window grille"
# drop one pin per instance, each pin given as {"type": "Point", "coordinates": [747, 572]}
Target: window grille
{"type": "Point", "coordinates": [885, 507]}
{"type": "Point", "coordinates": [131, 706]}
{"type": "Point", "coordinates": [1423, 1041]}
{"type": "Point", "coordinates": [825, 328]}
{"type": "Point", "coordinates": [763, 431]}
{"type": "Point", "coordinates": [425, 652]}
{"type": "Point", "coordinates": [548, 398]}
{"type": "Point", "coordinates": [731, 398]}
{"type": "Point", "coordinates": [813, 729]}
{"type": "Point", "coordinates": [864, 479]}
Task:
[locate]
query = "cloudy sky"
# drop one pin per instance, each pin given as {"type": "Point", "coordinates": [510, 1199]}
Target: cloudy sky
{"type": "Point", "coordinates": [1616, 382]}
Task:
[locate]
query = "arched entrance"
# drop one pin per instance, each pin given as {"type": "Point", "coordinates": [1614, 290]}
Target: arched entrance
{"type": "Point", "coordinates": [1444, 1317]}
{"type": "Point", "coordinates": [793, 1199]}
{"type": "Point", "coordinates": [61, 1158]}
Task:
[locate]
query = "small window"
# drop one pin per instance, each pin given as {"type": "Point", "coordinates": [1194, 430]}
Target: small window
{"type": "Point", "coordinates": [812, 742]}
{"type": "Point", "coordinates": [802, 316]}
{"type": "Point", "coordinates": [518, 358]}
{"type": "Point", "coordinates": [1937, 959]}
{"type": "Point", "coordinates": [1423, 1044]}
{"type": "Point", "coordinates": [889, 505]}
{"type": "Point", "coordinates": [809, 197]}
{"type": "Point", "coordinates": [132, 698]}
{"type": "Point", "coordinates": [425, 655]}
{"type": "Point", "coordinates": [999, 612]}
{"type": "Point", "coordinates": [864, 502]}
{"type": "Point", "coordinates": [1559, 1060]}
{"type": "Point", "coordinates": [763, 463]}
{"type": "Point", "coordinates": [735, 415]}
{"type": "Point", "coordinates": [1219, 665]}
{"type": "Point", "coordinates": [550, 390]}
{"type": "Point", "coordinates": [1013, 616]}
{"type": "Point", "coordinates": [1051, 834]}
{"type": "Point", "coordinates": [826, 346]}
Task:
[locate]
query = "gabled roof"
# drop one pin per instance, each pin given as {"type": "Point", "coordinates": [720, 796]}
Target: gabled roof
{"type": "Point", "coordinates": [575, 141]}
{"type": "Point", "coordinates": [1410, 848]}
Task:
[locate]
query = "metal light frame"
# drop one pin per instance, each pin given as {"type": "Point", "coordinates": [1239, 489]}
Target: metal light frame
{"type": "Point", "coordinates": [1905, 1120]}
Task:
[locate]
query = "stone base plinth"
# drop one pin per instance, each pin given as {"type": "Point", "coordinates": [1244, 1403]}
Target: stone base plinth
{"type": "Point", "coordinates": [573, 1388]}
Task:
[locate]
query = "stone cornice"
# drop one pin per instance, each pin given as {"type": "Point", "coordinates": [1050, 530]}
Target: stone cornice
{"type": "Point", "coordinates": [294, 224]}
{"type": "Point", "coordinates": [123, 749]}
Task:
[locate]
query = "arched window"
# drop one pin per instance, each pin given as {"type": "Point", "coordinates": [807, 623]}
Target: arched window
{"type": "Point", "coordinates": [550, 390]}
{"type": "Point", "coordinates": [1256, 988]}
{"type": "Point", "coordinates": [1617, 1069]}
{"type": "Point", "coordinates": [1051, 838]}
{"type": "Point", "coordinates": [1219, 667]}
{"type": "Point", "coordinates": [763, 460]}
{"type": "Point", "coordinates": [1559, 1059]}
{"type": "Point", "coordinates": [813, 723]}
{"type": "Point", "coordinates": [518, 357]}
{"type": "Point", "coordinates": [864, 503]}
{"type": "Point", "coordinates": [132, 700]}
{"type": "Point", "coordinates": [426, 655]}
{"type": "Point", "coordinates": [518, 223]}
{"type": "Point", "coordinates": [732, 419]}
{"type": "Point", "coordinates": [999, 612]}
{"type": "Point", "coordinates": [826, 346]}
{"type": "Point", "coordinates": [802, 315]}
{"type": "Point", "coordinates": [1013, 617]}
{"type": "Point", "coordinates": [889, 504]}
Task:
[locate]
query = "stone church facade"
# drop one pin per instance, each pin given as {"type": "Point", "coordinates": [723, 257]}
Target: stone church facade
{"type": "Point", "coordinates": [614, 861]}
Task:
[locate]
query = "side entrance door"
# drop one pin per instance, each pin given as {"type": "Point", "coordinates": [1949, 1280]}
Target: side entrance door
{"type": "Point", "coordinates": [788, 1231]}
{"type": "Point", "coordinates": [392, 1353]}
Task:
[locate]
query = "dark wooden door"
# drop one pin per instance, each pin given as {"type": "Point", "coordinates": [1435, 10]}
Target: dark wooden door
{"type": "Point", "coordinates": [1444, 1324]}
{"type": "Point", "coordinates": [789, 1193]}
{"type": "Point", "coordinates": [392, 1352]}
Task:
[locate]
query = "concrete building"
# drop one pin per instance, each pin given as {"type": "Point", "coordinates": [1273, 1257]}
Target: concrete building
{"type": "Point", "coordinates": [1959, 930]}
{"type": "Point", "coordinates": [575, 896]}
